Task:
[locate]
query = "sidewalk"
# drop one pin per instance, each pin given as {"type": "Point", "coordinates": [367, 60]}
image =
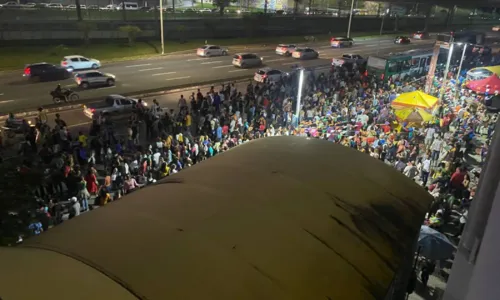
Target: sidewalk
{"type": "Point", "coordinates": [438, 280]}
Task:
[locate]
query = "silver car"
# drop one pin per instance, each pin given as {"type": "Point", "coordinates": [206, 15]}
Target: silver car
{"type": "Point", "coordinates": [211, 50]}
{"type": "Point", "coordinates": [94, 78]}
{"type": "Point", "coordinates": [269, 74]}
{"type": "Point", "coordinates": [247, 60]}
{"type": "Point", "coordinates": [305, 53]}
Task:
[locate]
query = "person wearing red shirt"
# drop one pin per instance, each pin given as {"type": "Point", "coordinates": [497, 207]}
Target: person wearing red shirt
{"type": "Point", "coordinates": [457, 178]}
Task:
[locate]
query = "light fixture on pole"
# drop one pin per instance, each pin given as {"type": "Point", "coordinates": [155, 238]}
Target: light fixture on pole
{"type": "Point", "coordinates": [299, 96]}
{"type": "Point", "coordinates": [461, 62]}
{"type": "Point", "coordinates": [161, 29]}
{"type": "Point", "coordinates": [446, 70]}
{"type": "Point", "coordinates": [350, 20]}
{"type": "Point", "coordinates": [382, 28]}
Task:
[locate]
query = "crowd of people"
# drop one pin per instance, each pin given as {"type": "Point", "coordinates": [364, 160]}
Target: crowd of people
{"type": "Point", "coordinates": [342, 106]}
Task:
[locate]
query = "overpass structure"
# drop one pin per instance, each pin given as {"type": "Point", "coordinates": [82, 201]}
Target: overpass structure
{"type": "Point", "coordinates": [276, 218]}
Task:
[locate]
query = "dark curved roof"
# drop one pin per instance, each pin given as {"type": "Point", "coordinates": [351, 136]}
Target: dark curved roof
{"type": "Point", "coordinates": [277, 218]}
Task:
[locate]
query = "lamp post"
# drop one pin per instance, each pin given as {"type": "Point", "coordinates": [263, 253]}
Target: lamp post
{"type": "Point", "coordinates": [446, 70]}
{"type": "Point", "coordinates": [350, 20]}
{"type": "Point", "coordinates": [161, 29]}
{"type": "Point", "coordinates": [299, 96]}
{"type": "Point", "coordinates": [382, 29]}
{"type": "Point", "coordinates": [461, 62]}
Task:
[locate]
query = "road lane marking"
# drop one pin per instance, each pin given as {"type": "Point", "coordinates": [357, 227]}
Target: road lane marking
{"type": "Point", "coordinates": [135, 66]}
{"type": "Point", "coordinates": [273, 60]}
{"type": "Point", "coordinates": [152, 69]}
{"type": "Point", "coordinates": [195, 59]}
{"type": "Point", "coordinates": [239, 70]}
{"type": "Point", "coordinates": [291, 63]}
{"type": "Point", "coordinates": [211, 62]}
{"type": "Point", "coordinates": [179, 78]}
{"type": "Point", "coordinates": [265, 56]}
{"type": "Point", "coordinates": [161, 74]}
{"type": "Point", "coordinates": [218, 67]}
{"type": "Point", "coordinates": [6, 101]}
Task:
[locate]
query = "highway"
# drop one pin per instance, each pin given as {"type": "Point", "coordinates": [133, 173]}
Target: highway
{"type": "Point", "coordinates": [18, 94]}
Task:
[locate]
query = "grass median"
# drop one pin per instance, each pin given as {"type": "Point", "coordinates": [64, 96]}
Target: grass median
{"type": "Point", "coordinates": [15, 58]}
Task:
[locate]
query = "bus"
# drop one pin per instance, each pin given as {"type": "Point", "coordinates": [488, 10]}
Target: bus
{"type": "Point", "coordinates": [482, 73]}
{"type": "Point", "coordinates": [414, 63]}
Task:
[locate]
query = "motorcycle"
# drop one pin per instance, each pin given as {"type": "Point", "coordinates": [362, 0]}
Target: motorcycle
{"type": "Point", "coordinates": [64, 95]}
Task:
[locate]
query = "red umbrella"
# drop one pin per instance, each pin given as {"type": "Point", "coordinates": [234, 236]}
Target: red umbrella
{"type": "Point", "coordinates": [490, 84]}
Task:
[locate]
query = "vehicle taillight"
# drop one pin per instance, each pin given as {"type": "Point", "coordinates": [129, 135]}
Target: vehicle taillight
{"type": "Point", "coordinates": [92, 110]}
{"type": "Point", "coordinates": [283, 49]}
{"type": "Point", "coordinates": [27, 71]}
{"type": "Point", "coordinates": [264, 76]}
{"type": "Point", "coordinates": [64, 63]}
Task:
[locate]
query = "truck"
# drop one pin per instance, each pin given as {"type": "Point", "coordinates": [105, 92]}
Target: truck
{"type": "Point", "coordinates": [112, 104]}
{"type": "Point", "coordinates": [349, 59]}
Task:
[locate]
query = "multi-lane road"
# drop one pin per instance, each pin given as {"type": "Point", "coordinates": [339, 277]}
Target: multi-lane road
{"type": "Point", "coordinates": [17, 94]}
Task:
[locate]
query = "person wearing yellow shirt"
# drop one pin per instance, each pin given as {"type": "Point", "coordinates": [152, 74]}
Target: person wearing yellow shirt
{"type": "Point", "coordinates": [82, 138]}
{"type": "Point", "coordinates": [188, 121]}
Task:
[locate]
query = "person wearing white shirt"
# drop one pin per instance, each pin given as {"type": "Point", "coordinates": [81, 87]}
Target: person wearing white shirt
{"type": "Point", "coordinates": [156, 158]}
{"type": "Point", "coordinates": [436, 147]}
{"type": "Point", "coordinates": [426, 169]}
{"type": "Point", "coordinates": [429, 136]}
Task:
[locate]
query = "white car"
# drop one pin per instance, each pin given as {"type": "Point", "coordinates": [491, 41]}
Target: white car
{"type": "Point", "coordinates": [211, 50]}
{"type": "Point", "coordinates": [11, 4]}
{"type": "Point", "coordinates": [78, 62]}
{"type": "Point", "coordinates": [205, 10]}
{"type": "Point", "coordinates": [29, 5]}
{"type": "Point", "coordinates": [285, 49]}
{"type": "Point", "coordinates": [55, 6]}
{"type": "Point", "coordinates": [269, 74]}
{"type": "Point", "coordinates": [496, 28]}
{"type": "Point", "coordinates": [108, 7]}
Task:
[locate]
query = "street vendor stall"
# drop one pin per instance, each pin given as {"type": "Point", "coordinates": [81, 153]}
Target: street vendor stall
{"type": "Point", "coordinates": [413, 115]}
{"type": "Point", "coordinates": [416, 99]}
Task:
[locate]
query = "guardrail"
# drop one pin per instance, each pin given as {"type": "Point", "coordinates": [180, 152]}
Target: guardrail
{"type": "Point", "coordinates": [29, 13]}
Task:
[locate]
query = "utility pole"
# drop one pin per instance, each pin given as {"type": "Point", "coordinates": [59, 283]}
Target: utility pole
{"type": "Point", "coordinates": [350, 20]}
{"type": "Point", "coordinates": [161, 29]}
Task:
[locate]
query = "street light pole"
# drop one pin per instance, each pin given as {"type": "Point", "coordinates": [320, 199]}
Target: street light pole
{"type": "Point", "coordinates": [446, 70]}
{"type": "Point", "coordinates": [161, 29]}
{"type": "Point", "coordinates": [350, 20]}
{"type": "Point", "coordinates": [382, 29]}
{"type": "Point", "coordinates": [299, 96]}
{"type": "Point", "coordinates": [461, 62]}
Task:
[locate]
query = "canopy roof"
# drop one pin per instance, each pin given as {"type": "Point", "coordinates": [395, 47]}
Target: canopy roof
{"type": "Point", "coordinates": [276, 218]}
{"type": "Point", "coordinates": [490, 84]}
{"type": "Point", "coordinates": [415, 99]}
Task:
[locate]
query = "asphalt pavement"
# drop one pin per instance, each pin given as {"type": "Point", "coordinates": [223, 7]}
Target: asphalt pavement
{"type": "Point", "coordinates": [17, 94]}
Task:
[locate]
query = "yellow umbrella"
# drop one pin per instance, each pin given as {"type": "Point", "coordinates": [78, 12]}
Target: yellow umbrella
{"type": "Point", "coordinates": [415, 99]}
{"type": "Point", "coordinates": [413, 115]}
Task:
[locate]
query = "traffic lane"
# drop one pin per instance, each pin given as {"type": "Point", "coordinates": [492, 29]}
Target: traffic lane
{"type": "Point", "coordinates": [32, 97]}
{"type": "Point", "coordinates": [172, 64]}
{"type": "Point", "coordinates": [126, 69]}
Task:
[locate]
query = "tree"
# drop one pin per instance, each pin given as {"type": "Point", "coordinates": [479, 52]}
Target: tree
{"type": "Point", "coordinates": [132, 32]}
{"type": "Point", "coordinates": [221, 4]}
{"type": "Point", "coordinates": [78, 10]}
{"type": "Point", "coordinates": [18, 205]}
{"type": "Point", "coordinates": [86, 28]}
{"type": "Point", "coordinates": [296, 6]}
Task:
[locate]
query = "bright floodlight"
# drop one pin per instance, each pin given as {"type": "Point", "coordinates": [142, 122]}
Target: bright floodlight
{"type": "Point", "coordinates": [299, 95]}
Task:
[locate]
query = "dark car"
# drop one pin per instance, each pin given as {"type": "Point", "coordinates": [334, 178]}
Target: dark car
{"type": "Point", "coordinates": [45, 72]}
{"type": "Point", "coordinates": [402, 40]}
